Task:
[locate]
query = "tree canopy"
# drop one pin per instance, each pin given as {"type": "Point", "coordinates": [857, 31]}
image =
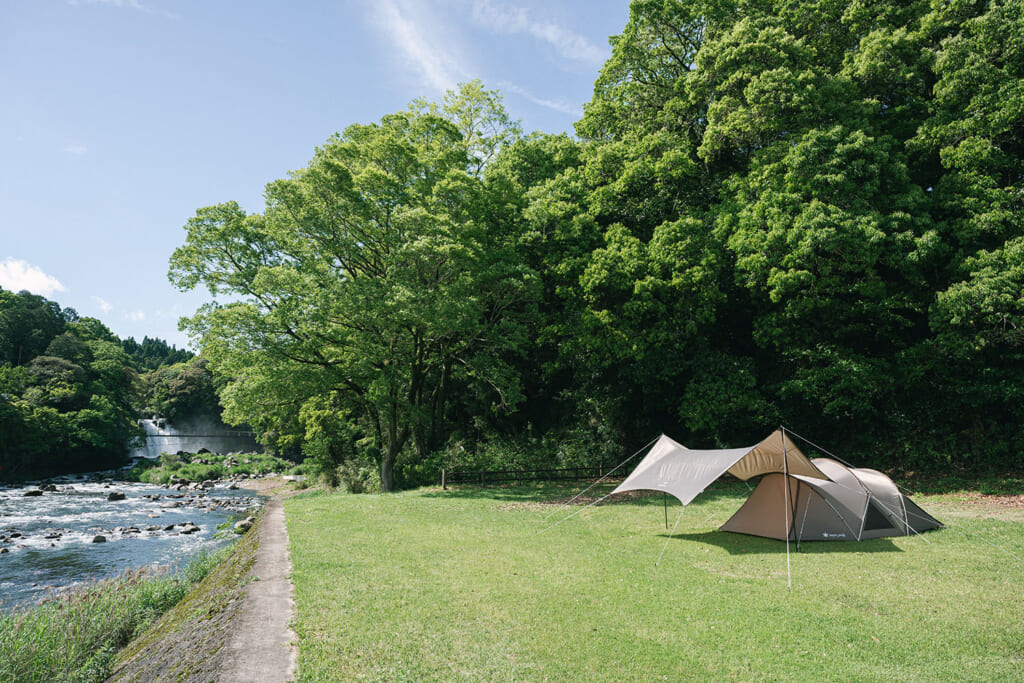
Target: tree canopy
{"type": "Point", "coordinates": [370, 286]}
{"type": "Point", "coordinates": [798, 211]}
{"type": "Point", "coordinates": [70, 395]}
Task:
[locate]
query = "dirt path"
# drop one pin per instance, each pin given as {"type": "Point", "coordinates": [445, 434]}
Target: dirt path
{"type": "Point", "coordinates": [261, 646]}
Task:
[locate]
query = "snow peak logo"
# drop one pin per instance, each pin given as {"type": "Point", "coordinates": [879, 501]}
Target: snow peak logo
{"type": "Point", "coordinates": [828, 535]}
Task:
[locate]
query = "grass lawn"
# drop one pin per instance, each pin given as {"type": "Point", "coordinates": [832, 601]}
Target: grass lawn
{"type": "Point", "coordinates": [459, 585]}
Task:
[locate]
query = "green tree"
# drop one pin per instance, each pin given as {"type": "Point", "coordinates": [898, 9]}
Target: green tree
{"type": "Point", "coordinates": [370, 277]}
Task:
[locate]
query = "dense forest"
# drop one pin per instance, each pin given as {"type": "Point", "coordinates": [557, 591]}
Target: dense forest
{"type": "Point", "coordinates": [803, 212]}
{"type": "Point", "coordinates": [71, 392]}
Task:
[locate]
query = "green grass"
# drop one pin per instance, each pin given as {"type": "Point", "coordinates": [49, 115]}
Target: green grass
{"type": "Point", "coordinates": [459, 585]}
{"type": "Point", "coordinates": [74, 637]}
{"type": "Point", "coordinates": [200, 467]}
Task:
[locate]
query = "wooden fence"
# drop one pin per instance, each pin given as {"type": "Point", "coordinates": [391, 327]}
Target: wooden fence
{"type": "Point", "coordinates": [484, 477]}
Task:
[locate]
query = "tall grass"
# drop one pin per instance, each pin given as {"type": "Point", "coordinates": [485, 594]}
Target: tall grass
{"type": "Point", "coordinates": [73, 637]}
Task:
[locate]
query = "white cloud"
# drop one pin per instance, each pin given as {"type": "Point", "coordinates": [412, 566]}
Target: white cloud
{"type": "Point", "coordinates": [76, 150]}
{"type": "Point", "coordinates": [568, 43]}
{"type": "Point", "coordinates": [433, 62]}
{"type": "Point", "coordinates": [127, 4]}
{"type": "Point", "coordinates": [16, 275]}
{"type": "Point", "coordinates": [104, 305]}
{"type": "Point", "coordinates": [564, 107]}
{"type": "Point", "coordinates": [135, 316]}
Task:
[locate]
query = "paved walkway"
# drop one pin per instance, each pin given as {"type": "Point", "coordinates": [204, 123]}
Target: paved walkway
{"type": "Point", "coordinates": [261, 646]}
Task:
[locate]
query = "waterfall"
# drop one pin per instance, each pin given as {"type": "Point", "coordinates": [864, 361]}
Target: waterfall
{"type": "Point", "coordinates": [192, 434]}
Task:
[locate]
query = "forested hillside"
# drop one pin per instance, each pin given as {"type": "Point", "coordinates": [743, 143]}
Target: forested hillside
{"type": "Point", "coordinates": [70, 390]}
{"type": "Point", "coordinates": [808, 213]}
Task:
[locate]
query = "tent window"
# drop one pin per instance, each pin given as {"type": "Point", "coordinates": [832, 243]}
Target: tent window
{"type": "Point", "coordinates": [875, 520]}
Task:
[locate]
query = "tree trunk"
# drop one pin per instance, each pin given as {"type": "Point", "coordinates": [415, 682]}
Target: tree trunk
{"type": "Point", "coordinates": [387, 472]}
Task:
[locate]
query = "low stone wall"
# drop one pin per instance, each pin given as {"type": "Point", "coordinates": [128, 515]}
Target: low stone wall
{"type": "Point", "coordinates": [187, 643]}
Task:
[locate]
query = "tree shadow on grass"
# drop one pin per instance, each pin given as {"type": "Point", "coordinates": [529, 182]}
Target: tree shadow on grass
{"type": "Point", "coordinates": [741, 544]}
{"type": "Point", "coordinates": [558, 493]}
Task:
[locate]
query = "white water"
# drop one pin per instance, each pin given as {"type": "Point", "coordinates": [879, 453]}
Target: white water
{"type": "Point", "coordinates": [191, 435]}
{"type": "Point", "coordinates": [48, 538]}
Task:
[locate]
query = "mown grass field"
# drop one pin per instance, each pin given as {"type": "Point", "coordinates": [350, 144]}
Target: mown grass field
{"type": "Point", "coordinates": [459, 585]}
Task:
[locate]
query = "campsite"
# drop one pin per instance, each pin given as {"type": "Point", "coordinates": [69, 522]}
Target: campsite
{"type": "Point", "coordinates": [460, 585]}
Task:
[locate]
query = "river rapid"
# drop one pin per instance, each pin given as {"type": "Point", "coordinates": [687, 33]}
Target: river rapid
{"type": "Point", "coordinates": [49, 539]}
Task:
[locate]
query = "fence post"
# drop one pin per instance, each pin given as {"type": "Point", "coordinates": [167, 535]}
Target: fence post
{"type": "Point", "coordinates": [443, 487]}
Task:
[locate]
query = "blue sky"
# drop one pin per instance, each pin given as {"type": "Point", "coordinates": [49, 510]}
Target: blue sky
{"type": "Point", "coordinates": [120, 118]}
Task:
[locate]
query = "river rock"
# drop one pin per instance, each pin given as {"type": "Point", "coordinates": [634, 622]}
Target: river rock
{"type": "Point", "coordinates": [189, 528]}
{"type": "Point", "coordinates": [48, 487]}
{"type": "Point", "coordinates": [33, 492]}
{"type": "Point", "coordinates": [99, 538]}
{"type": "Point", "coordinates": [115, 495]}
{"type": "Point", "coordinates": [4, 550]}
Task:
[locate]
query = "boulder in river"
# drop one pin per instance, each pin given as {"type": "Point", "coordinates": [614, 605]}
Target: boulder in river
{"type": "Point", "coordinates": [33, 492]}
{"type": "Point", "coordinates": [99, 538]}
{"type": "Point", "coordinates": [115, 495]}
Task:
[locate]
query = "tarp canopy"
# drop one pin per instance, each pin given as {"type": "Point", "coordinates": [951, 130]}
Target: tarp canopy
{"type": "Point", "coordinates": [684, 472]}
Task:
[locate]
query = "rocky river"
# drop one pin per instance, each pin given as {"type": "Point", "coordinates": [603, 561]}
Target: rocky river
{"type": "Point", "coordinates": [57, 534]}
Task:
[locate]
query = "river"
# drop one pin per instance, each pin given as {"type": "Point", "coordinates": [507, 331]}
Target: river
{"type": "Point", "coordinates": [49, 538]}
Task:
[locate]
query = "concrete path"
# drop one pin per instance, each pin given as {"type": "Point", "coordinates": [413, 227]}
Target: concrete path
{"type": "Point", "coordinates": [261, 646]}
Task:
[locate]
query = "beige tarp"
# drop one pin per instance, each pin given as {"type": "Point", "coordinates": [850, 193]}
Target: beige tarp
{"type": "Point", "coordinates": [683, 472]}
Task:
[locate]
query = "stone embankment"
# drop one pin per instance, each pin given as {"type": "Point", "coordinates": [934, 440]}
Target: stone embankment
{"type": "Point", "coordinates": [234, 625]}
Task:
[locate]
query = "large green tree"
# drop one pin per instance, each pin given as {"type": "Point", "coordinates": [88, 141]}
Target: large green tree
{"type": "Point", "coordinates": [807, 211]}
{"type": "Point", "coordinates": [370, 285]}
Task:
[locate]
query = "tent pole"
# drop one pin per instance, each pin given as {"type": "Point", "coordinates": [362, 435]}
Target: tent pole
{"type": "Point", "coordinates": [785, 474]}
{"type": "Point", "coordinates": [664, 500]}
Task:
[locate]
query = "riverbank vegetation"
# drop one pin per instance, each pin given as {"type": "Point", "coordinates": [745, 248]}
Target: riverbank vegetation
{"type": "Point", "coordinates": [71, 392]}
{"type": "Point", "coordinates": [199, 467]}
{"type": "Point", "coordinates": [784, 212]}
{"type": "Point", "coordinates": [74, 636]}
{"type": "Point", "coordinates": [462, 585]}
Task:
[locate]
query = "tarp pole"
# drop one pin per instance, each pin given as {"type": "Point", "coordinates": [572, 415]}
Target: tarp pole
{"type": "Point", "coordinates": [785, 474]}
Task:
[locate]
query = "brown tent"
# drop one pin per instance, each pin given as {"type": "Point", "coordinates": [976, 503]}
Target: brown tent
{"type": "Point", "coordinates": [797, 498]}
